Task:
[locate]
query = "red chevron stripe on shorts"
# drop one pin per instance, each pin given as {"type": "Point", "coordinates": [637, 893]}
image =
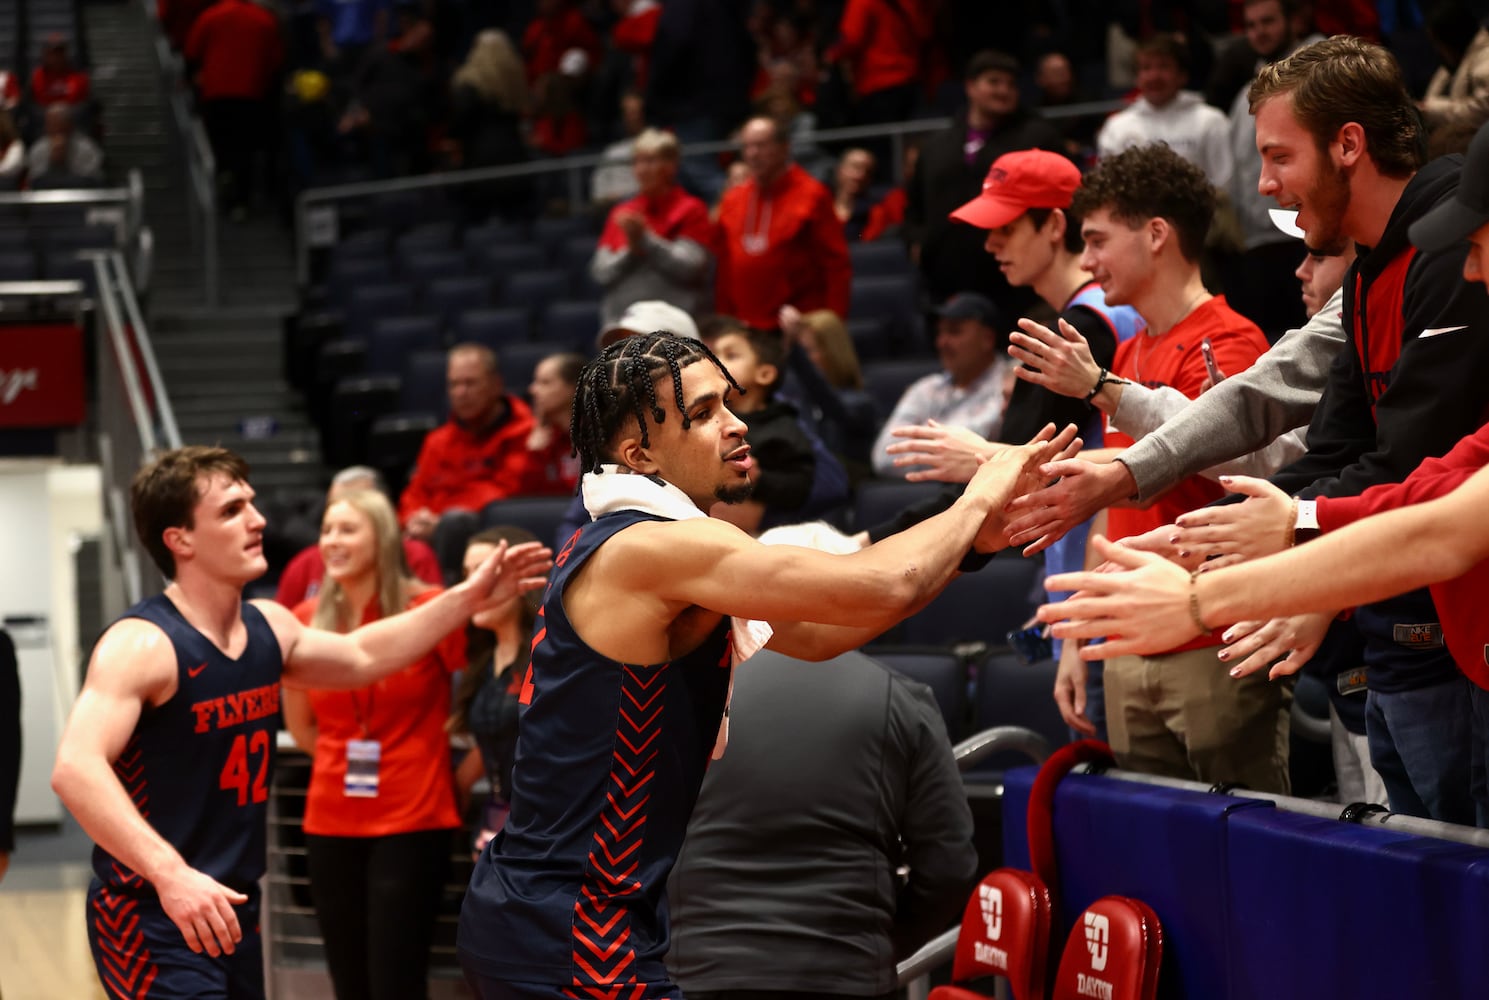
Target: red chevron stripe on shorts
{"type": "Point", "coordinates": [124, 965]}
{"type": "Point", "coordinates": [603, 956]}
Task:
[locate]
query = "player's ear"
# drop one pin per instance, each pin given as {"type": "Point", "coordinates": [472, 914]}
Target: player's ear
{"type": "Point", "coordinates": [631, 454]}
{"type": "Point", "coordinates": [178, 540]}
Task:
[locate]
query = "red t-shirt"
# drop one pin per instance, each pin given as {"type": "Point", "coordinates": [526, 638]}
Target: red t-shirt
{"type": "Point", "coordinates": [461, 468]}
{"type": "Point", "coordinates": [68, 87]}
{"type": "Point", "coordinates": [1174, 360]}
{"type": "Point", "coordinates": [552, 470]}
{"type": "Point", "coordinates": [784, 246]}
{"type": "Point", "coordinates": [406, 713]}
{"type": "Point", "coordinates": [1460, 601]}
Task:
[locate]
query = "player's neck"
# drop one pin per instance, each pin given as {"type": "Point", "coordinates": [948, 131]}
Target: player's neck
{"type": "Point", "coordinates": [1061, 280]}
{"type": "Point", "coordinates": [212, 607]}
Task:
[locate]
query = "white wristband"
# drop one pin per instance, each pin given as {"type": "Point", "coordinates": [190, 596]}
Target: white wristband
{"type": "Point", "coordinates": [1307, 515]}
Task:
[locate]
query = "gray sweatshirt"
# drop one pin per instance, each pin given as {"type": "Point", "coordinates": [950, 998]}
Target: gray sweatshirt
{"type": "Point", "coordinates": [1244, 413]}
{"type": "Point", "coordinates": [673, 271]}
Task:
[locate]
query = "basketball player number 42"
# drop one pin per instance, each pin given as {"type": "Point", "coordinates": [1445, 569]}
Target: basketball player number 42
{"type": "Point", "coordinates": [236, 772]}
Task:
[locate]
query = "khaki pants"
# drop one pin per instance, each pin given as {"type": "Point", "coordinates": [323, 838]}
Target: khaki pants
{"type": "Point", "coordinates": [1183, 716]}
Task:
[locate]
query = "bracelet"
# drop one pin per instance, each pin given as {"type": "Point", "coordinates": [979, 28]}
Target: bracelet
{"type": "Point", "coordinates": [1103, 379]}
{"type": "Point", "coordinates": [1292, 526]}
{"type": "Point", "coordinates": [1194, 602]}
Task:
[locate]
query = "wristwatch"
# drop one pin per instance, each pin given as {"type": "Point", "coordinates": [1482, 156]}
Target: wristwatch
{"type": "Point", "coordinates": [1305, 528]}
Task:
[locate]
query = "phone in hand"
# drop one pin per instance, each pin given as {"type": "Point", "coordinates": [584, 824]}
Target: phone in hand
{"type": "Point", "coordinates": [1216, 375]}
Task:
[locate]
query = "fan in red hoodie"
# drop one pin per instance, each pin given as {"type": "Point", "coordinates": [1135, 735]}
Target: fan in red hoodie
{"type": "Point", "coordinates": [57, 80]}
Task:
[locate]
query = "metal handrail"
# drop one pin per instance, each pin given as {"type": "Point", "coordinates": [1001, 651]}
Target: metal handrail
{"type": "Point", "coordinates": [201, 164]}
{"type": "Point", "coordinates": [129, 364]}
{"type": "Point", "coordinates": [572, 165]}
{"type": "Point", "coordinates": [911, 972]}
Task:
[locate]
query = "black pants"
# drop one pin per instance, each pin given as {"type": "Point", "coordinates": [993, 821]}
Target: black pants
{"type": "Point", "coordinates": [376, 899]}
{"type": "Point", "coordinates": [239, 129]}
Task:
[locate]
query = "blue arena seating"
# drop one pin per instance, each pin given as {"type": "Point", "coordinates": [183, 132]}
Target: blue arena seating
{"type": "Point", "coordinates": [496, 328]}
{"type": "Point", "coordinates": [877, 259]}
{"type": "Point", "coordinates": [1009, 692]}
{"type": "Point", "coordinates": [540, 515]}
{"type": "Point", "coordinates": [421, 265]}
{"type": "Point", "coordinates": [422, 383]}
{"type": "Point", "coordinates": [533, 290]}
{"type": "Point", "coordinates": [978, 607]}
{"type": "Point", "coordinates": [393, 339]}
{"type": "Point", "coordinates": [891, 299]}
{"type": "Point", "coordinates": [574, 323]}
{"type": "Point", "coordinates": [886, 381]}
{"type": "Point", "coordinates": [369, 303]}
{"type": "Point", "coordinates": [943, 672]}
{"type": "Point", "coordinates": [517, 361]}
{"type": "Point", "coordinates": [449, 297]}
{"type": "Point", "coordinates": [878, 500]}
{"type": "Point", "coordinates": [503, 259]}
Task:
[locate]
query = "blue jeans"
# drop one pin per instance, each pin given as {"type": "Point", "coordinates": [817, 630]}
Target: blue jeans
{"type": "Point", "coordinates": [1479, 782]}
{"type": "Point", "coordinates": [1420, 744]}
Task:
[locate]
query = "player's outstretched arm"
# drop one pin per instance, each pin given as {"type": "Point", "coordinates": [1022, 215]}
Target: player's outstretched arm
{"type": "Point", "coordinates": [316, 658]}
{"type": "Point", "coordinates": [1149, 605]}
{"type": "Point", "coordinates": [134, 665]}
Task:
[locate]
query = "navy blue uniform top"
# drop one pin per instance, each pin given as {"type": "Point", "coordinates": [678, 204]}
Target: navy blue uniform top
{"type": "Point", "coordinates": [610, 757]}
{"type": "Point", "coordinates": [198, 766]}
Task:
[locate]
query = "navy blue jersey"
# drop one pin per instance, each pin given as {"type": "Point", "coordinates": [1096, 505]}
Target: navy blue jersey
{"type": "Point", "coordinates": [610, 757]}
{"type": "Point", "coordinates": [198, 766]}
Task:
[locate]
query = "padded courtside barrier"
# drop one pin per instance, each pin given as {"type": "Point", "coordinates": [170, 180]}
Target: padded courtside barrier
{"type": "Point", "coordinates": [1257, 902]}
{"type": "Point", "coordinates": [1114, 953]}
{"type": "Point", "coordinates": [1005, 932]}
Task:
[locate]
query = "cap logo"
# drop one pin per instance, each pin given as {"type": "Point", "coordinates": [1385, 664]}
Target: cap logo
{"type": "Point", "coordinates": [995, 176]}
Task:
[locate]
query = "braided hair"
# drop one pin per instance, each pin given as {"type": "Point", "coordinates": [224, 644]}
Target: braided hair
{"type": "Point", "coordinates": [622, 382]}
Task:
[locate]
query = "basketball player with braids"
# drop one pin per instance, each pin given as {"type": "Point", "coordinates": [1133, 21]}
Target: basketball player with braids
{"type": "Point", "coordinates": [631, 666]}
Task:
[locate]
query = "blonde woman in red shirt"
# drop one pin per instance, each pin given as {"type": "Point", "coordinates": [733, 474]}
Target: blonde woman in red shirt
{"type": "Point", "coordinates": [380, 813]}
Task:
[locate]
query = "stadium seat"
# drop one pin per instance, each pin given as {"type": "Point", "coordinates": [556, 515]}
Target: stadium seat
{"type": "Point", "coordinates": [398, 210]}
{"type": "Point", "coordinates": [878, 500]}
{"type": "Point", "coordinates": [533, 290]}
{"type": "Point", "coordinates": [552, 234]}
{"type": "Point", "coordinates": [422, 388]}
{"type": "Point", "coordinates": [978, 607]}
{"type": "Point", "coordinates": [421, 265]}
{"type": "Point", "coordinates": [540, 515]}
{"type": "Point", "coordinates": [78, 237]}
{"type": "Point", "coordinates": [892, 299]}
{"type": "Point", "coordinates": [448, 298]}
{"type": "Point", "coordinates": [870, 339]}
{"type": "Point", "coordinates": [886, 381]}
{"type": "Point", "coordinates": [18, 265]}
{"type": "Point", "coordinates": [393, 444]}
{"type": "Point", "coordinates": [574, 323]}
{"type": "Point", "coordinates": [439, 234]}
{"type": "Point", "coordinates": [1005, 932]}
{"type": "Point", "coordinates": [370, 303]}
{"type": "Point", "coordinates": [348, 275]}
{"type": "Point", "coordinates": [66, 265]}
{"type": "Point", "coordinates": [943, 672]}
{"type": "Point", "coordinates": [517, 362]}
{"type": "Point", "coordinates": [494, 232]}
{"type": "Point", "coordinates": [1114, 951]}
{"type": "Point", "coordinates": [575, 254]}
{"type": "Point", "coordinates": [357, 403]}
{"type": "Point", "coordinates": [395, 338]}
{"type": "Point", "coordinates": [879, 259]}
{"type": "Point", "coordinates": [362, 244]}
{"type": "Point", "coordinates": [1009, 692]}
{"type": "Point", "coordinates": [503, 259]}
{"type": "Point", "coordinates": [495, 328]}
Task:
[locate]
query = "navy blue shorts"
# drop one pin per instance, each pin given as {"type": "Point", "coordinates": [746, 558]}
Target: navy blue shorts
{"type": "Point", "coordinates": [141, 955]}
{"type": "Point", "coordinates": [492, 989]}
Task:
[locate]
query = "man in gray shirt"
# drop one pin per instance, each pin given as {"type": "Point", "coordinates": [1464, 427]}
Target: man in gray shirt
{"type": "Point", "coordinates": [836, 775]}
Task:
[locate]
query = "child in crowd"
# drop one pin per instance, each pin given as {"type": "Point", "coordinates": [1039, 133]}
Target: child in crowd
{"type": "Point", "coordinates": [782, 451]}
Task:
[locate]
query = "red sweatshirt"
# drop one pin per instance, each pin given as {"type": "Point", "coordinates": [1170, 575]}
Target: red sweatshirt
{"type": "Point", "coordinates": [235, 46]}
{"type": "Point", "coordinates": [881, 40]}
{"type": "Point", "coordinates": [67, 87]}
{"type": "Point", "coordinates": [783, 247]}
{"type": "Point", "coordinates": [465, 469]}
{"type": "Point", "coordinates": [1460, 602]}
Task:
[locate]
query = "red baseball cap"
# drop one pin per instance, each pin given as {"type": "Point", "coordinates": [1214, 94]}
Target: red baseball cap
{"type": "Point", "coordinates": [1017, 182]}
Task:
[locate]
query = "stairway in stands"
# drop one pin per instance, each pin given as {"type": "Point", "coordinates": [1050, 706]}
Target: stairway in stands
{"type": "Point", "coordinates": [222, 365]}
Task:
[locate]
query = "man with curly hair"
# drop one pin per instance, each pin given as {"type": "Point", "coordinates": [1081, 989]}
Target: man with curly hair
{"type": "Point", "coordinates": [1145, 214]}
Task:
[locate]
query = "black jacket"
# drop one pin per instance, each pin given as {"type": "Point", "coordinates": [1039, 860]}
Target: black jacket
{"type": "Point", "coordinates": [1411, 386]}
{"type": "Point", "coordinates": [952, 258]}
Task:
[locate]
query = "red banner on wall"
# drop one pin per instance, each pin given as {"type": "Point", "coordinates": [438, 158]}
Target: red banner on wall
{"type": "Point", "coordinates": [41, 375]}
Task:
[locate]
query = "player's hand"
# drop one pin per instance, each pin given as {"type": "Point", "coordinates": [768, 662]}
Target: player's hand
{"type": "Point", "coordinates": [202, 910]}
{"type": "Point", "coordinates": [1231, 534]}
{"type": "Point", "coordinates": [1162, 541]}
{"type": "Point", "coordinates": [510, 570]}
{"type": "Point", "coordinates": [1254, 645]}
{"type": "Point", "coordinates": [1070, 690]}
{"type": "Point", "coordinates": [1061, 362]}
{"type": "Point", "coordinates": [948, 454]}
{"type": "Point", "coordinates": [1142, 607]}
{"type": "Point", "coordinates": [1043, 517]}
